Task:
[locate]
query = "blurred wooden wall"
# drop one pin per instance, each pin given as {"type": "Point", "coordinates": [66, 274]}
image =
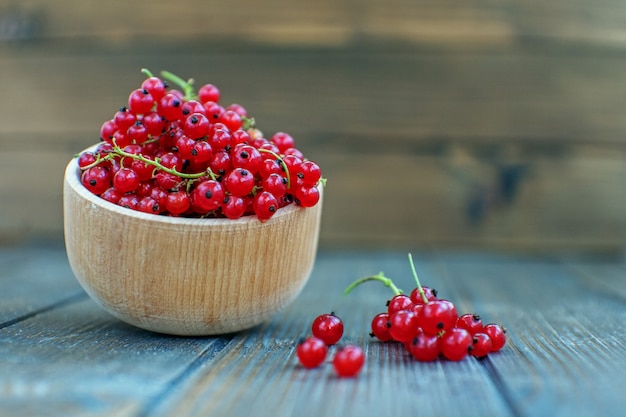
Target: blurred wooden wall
{"type": "Point", "coordinates": [439, 124]}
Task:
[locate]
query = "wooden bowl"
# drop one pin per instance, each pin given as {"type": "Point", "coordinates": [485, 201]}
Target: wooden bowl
{"type": "Point", "coordinates": [187, 276]}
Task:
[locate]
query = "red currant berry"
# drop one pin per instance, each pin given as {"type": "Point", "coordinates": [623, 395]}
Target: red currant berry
{"type": "Point", "coordinates": [234, 207]}
{"type": "Point", "coordinates": [248, 157]}
{"type": "Point", "coordinates": [148, 205]}
{"type": "Point", "coordinates": [497, 334]}
{"type": "Point", "coordinates": [209, 92]}
{"type": "Point", "coordinates": [481, 345]}
{"type": "Point", "coordinates": [155, 86]}
{"type": "Point", "coordinates": [154, 123]}
{"type": "Point", "coordinates": [107, 130]}
{"type": "Point", "coordinates": [430, 293]}
{"type": "Point", "coordinates": [239, 182]}
{"type": "Point", "coordinates": [185, 147]}
{"type": "Point", "coordinates": [96, 179]}
{"type": "Point", "coordinates": [193, 106]}
{"type": "Point", "coordinates": [238, 108]}
{"type": "Point", "coordinates": [213, 110]}
{"type": "Point", "coordinates": [264, 205]}
{"type": "Point", "coordinates": [403, 325]}
{"type": "Point", "coordinates": [140, 101]}
{"type": "Point", "coordinates": [111, 195]}
{"type": "Point", "coordinates": [177, 202]}
{"type": "Point", "coordinates": [348, 361]}
{"type": "Point", "coordinates": [380, 327]}
{"type": "Point", "coordinates": [470, 322]}
{"type": "Point", "coordinates": [202, 152]}
{"type": "Point", "coordinates": [328, 327]}
{"type": "Point", "coordinates": [283, 141]}
{"type": "Point", "coordinates": [309, 173]}
{"type": "Point", "coordinates": [455, 344]}
{"type": "Point", "coordinates": [231, 119]}
{"type": "Point", "coordinates": [437, 316]}
{"type": "Point", "coordinates": [137, 133]}
{"type": "Point", "coordinates": [166, 180]}
{"type": "Point", "coordinates": [307, 196]}
{"type": "Point", "coordinates": [207, 196]}
{"type": "Point", "coordinates": [129, 201]}
{"type": "Point", "coordinates": [275, 184]}
{"type": "Point", "coordinates": [126, 180]}
{"type": "Point", "coordinates": [220, 162]}
{"type": "Point", "coordinates": [196, 126]}
{"type": "Point", "coordinates": [86, 159]}
{"type": "Point", "coordinates": [425, 347]}
{"type": "Point", "coordinates": [399, 302]}
{"type": "Point", "coordinates": [171, 107]}
{"type": "Point", "coordinates": [311, 352]}
{"type": "Point", "coordinates": [124, 118]}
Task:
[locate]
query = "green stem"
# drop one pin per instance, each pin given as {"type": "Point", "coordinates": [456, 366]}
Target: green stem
{"type": "Point", "coordinates": [147, 72]}
{"type": "Point", "coordinates": [281, 162]}
{"type": "Point", "coordinates": [186, 86]}
{"type": "Point", "coordinates": [417, 280]}
{"type": "Point", "coordinates": [379, 277]}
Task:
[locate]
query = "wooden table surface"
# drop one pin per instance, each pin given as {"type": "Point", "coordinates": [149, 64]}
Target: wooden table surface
{"type": "Point", "coordinates": [61, 355]}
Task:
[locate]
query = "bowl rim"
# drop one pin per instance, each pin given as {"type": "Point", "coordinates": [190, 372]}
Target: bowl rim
{"type": "Point", "coordinates": [72, 179]}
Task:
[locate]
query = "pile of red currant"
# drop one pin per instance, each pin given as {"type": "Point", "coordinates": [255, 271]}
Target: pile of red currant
{"type": "Point", "coordinates": [427, 326]}
{"type": "Point", "coordinates": [178, 152]}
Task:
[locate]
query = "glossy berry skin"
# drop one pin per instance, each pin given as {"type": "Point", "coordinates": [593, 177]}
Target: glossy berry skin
{"type": "Point", "coordinates": [348, 361]}
{"type": "Point", "coordinates": [430, 293]}
{"type": "Point", "coordinates": [455, 344]}
{"type": "Point", "coordinates": [265, 205]}
{"type": "Point", "coordinates": [470, 322]}
{"type": "Point", "coordinates": [328, 328]}
{"type": "Point", "coordinates": [380, 327]}
{"type": "Point", "coordinates": [239, 182]}
{"type": "Point", "coordinates": [481, 345]}
{"type": "Point", "coordinates": [207, 196]}
{"type": "Point", "coordinates": [178, 202]}
{"type": "Point", "coordinates": [403, 325]}
{"type": "Point", "coordinates": [311, 352]}
{"type": "Point", "coordinates": [437, 316]}
{"type": "Point", "coordinates": [497, 334]}
{"type": "Point", "coordinates": [209, 92]}
{"type": "Point", "coordinates": [96, 179]}
{"type": "Point", "coordinates": [307, 196]}
{"type": "Point", "coordinates": [399, 302]}
{"type": "Point", "coordinates": [425, 347]}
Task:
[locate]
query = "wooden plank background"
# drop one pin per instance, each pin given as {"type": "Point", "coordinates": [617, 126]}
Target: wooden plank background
{"type": "Point", "coordinates": [483, 124]}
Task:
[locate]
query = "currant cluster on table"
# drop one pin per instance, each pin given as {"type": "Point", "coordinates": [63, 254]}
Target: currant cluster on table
{"type": "Point", "coordinates": [178, 152]}
{"type": "Point", "coordinates": [427, 326]}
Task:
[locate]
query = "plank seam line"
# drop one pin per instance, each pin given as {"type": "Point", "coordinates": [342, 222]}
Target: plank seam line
{"type": "Point", "coordinates": [208, 353]}
{"type": "Point", "coordinates": [501, 386]}
{"type": "Point", "coordinates": [68, 300]}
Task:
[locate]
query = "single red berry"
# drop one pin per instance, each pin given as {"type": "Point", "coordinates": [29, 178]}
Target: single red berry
{"type": "Point", "coordinates": [380, 327]}
{"type": "Point", "coordinates": [248, 157]}
{"type": "Point", "coordinates": [96, 179]}
{"type": "Point", "coordinates": [238, 108]}
{"type": "Point", "coordinates": [481, 345]}
{"type": "Point", "coordinates": [231, 119]}
{"type": "Point", "coordinates": [399, 302]}
{"type": "Point", "coordinates": [209, 92]}
{"type": "Point", "coordinates": [311, 352]}
{"type": "Point", "coordinates": [193, 106]}
{"type": "Point", "coordinates": [430, 293]}
{"type": "Point", "coordinates": [185, 147]}
{"type": "Point", "coordinates": [107, 130]}
{"type": "Point", "coordinates": [265, 205]}
{"type": "Point", "coordinates": [307, 196]}
{"type": "Point", "coordinates": [239, 182]}
{"type": "Point", "coordinates": [403, 325]}
{"type": "Point", "coordinates": [470, 322]}
{"type": "Point", "coordinates": [170, 107]}
{"type": "Point", "coordinates": [137, 133]}
{"type": "Point", "coordinates": [111, 195]}
{"type": "Point", "coordinates": [283, 141]}
{"type": "Point", "coordinates": [202, 152]}
{"type": "Point", "coordinates": [140, 101]}
{"type": "Point", "coordinates": [126, 180]}
{"type": "Point", "coordinates": [124, 118]}
{"type": "Point", "coordinates": [437, 316]}
{"type": "Point", "coordinates": [166, 180]}
{"type": "Point", "coordinates": [177, 202]}
{"type": "Point", "coordinates": [154, 123]}
{"type": "Point", "coordinates": [497, 334]}
{"type": "Point", "coordinates": [455, 344]}
{"type": "Point", "coordinates": [148, 205]}
{"type": "Point", "coordinates": [129, 201]}
{"type": "Point", "coordinates": [213, 110]}
{"type": "Point", "coordinates": [275, 184]}
{"type": "Point", "coordinates": [309, 173]}
{"type": "Point", "coordinates": [425, 347]}
{"type": "Point", "coordinates": [86, 158]}
{"type": "Point", "coordinates": [328, 327]}
{"type": "Point", "coordinates": [207, 196]}
{"type": "Point", "coordinates": [348, 361]}
{"type": "Point", "coordinates": [196, 126]}
{"type": "Point", "coordinates": [155, 86]}
{"type": "Point", "coordinates": [234, 207]}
